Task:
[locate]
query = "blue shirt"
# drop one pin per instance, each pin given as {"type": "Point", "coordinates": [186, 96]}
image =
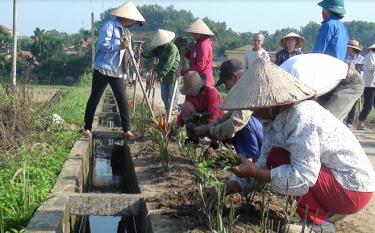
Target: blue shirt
{"type": "Point", "coordinates": [333, 39]}
{"type": "Point", "coordinates": [248, 141]}
{"type": "Point", "coordinates": [107, 54]}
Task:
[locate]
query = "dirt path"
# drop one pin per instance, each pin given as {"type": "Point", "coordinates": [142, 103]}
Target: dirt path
{"type": "Point", "coordinates": [365, 219]}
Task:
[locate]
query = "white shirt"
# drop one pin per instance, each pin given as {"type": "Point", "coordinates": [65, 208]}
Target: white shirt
{"type": "Point", "coordinates": [369, 69]}
{"type": "Point", "coordinates": [252, 55]}
{"type": "Point", "coordinates": [314, 137]}
{"type": "Point", "coordinates": [321, 72]}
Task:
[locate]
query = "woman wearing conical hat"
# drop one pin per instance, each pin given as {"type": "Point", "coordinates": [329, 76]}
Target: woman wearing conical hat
{"type": "Point", "coordinates": [306, 152]}
{"type": "Point", "coordinates": [201, 55]}
{"type": "Point", "coordinates": [111, 63]}
{"type": "Point", "coordinates": [292, 44]}
{"type": "Point", "coordinates": [169, 59]}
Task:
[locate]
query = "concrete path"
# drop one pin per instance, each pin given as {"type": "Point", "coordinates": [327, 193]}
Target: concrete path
{"type": "Point", "coordinates": [365, 219]}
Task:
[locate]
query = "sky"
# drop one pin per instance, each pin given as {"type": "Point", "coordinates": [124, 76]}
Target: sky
{"type": "Point", "coordinates": [240, 15]}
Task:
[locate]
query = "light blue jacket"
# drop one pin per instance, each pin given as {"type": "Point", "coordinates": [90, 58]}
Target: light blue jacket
{"type": "Point", "coordinates": [107, 54]}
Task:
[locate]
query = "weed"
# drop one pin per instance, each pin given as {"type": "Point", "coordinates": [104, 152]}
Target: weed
{"type": "Point", "coordinates": [160, 139]}
{"type": "Point", "coordinates": [140, 119]}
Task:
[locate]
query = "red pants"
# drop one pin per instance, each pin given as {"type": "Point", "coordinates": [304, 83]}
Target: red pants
{"type": "Point", "coordinates": [326, 197]}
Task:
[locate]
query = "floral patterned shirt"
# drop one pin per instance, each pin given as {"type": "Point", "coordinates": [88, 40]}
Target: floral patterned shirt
{"type": "Point", "coordinates": [315, 138]}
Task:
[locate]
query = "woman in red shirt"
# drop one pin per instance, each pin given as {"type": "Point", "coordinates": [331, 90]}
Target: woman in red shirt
{"type": "Point", "coordinates": [200, 56]}
{"type": "Point", "coordinates": [201, 99]}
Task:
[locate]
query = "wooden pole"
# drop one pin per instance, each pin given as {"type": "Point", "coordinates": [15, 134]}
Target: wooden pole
{"type": "Point", "coordinates": [139, 47]}
{"type": "Point", "coordinates": [92, 42]}
{"type": "Point", "coordinates": [14, 54]}
{"type": "Point", "coordinates": [134, 63]}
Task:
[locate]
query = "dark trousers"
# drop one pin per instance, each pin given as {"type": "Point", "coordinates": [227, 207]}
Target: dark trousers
{"type": "Point", "coordinates": [99, 83]}
{"type": "Point", "coordinates": [351, 114]}
{"type": "Point", "coordinates": [368, 102]}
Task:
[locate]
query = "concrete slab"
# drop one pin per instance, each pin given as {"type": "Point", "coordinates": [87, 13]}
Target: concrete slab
{"type": "Point", "coordinates": [106, 204]}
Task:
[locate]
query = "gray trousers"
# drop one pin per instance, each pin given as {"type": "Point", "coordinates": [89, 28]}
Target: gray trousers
{"type": "Point", "coordinates": [340, 100]}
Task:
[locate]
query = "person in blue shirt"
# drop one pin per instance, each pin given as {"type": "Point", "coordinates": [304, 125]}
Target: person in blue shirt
{"type": "Point", "coordinates": [111, 61]}
{"type": "Point", "coordinates": [240, 127]}
{"type": "Point", "coordinates": [333, 36]}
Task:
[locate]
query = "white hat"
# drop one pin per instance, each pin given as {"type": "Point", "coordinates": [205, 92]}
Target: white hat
{"type": "Point", "coordinates": [371, 46]}
{"type": "Point", "coordinates": [265, 85]}
{"type": "Point", "coordinates": [199, 27]}
{"type": "Point", "coordinates": [129, 11]}
{"type": "Point", "coordinates": [355, 45]}
{"type": "Point", "coordinates": [162, 37]}
{"type": "Point", "coordinates": [300, 40]}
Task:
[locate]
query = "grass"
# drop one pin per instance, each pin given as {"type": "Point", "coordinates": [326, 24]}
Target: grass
{"type": "Point", "coordinates": [29, 173]}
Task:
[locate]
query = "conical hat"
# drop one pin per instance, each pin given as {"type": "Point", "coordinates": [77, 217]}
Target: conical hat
{"type": "Point", "coordinates": [371, 46]}
{"type": "Point", "coordinates": [129, 11]}
{"type": "Point", "coordinates": [265, 85]}
{"type": "Point", "coordinates": [355, 45]}
{"type": "Point", "coordinates": [199, 27]}
{"type": "Point", "coordinates": [162, 37]}
{"type": "Point", "coordinates": [300, 40]}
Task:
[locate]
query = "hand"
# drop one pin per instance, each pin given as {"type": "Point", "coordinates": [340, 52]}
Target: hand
{"type": "Point", "coordinates": [178, 73]}
{"type": "Point", "coordinates": [202, 131]}
{"type": "Point", "coordinates": [126, 42]}
{"type": "Point", "coordinates": [246, 169]}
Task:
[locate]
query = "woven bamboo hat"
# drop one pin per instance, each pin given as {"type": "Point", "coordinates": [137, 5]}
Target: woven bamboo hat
{"type": "Point", "coordinates": [129, 11]}
{"type": "Point", "coordinates": [192, 83]}
{"type": "Point", "coordinates": [265, 85]}
{"type": "Point", "coordinates": [300, 40]}
{"type": "Point", "coordinates": [355, 45]}
{"type": "Point", "coordinates": [371, 46]}
{"type": "Point", "coordinates": [162, 37]}
{"type": "Point", "coordinates": [199, 27]}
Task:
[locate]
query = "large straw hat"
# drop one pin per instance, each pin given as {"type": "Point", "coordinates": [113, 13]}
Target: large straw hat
{"type": "Point", "coordinates": [265, 85]}
{"type": "Point", "coordinates": [371, 46]}
{"type": "Point", "coordinates": [355, 45]}
{"type": "Point", "coordinates": [335, 6]}
{"type": "Point", "coordinates": [162, 37]}
{"type": "Point", "coordinates": [199, 27]}
{"type": "Point", "coordinates": [192, 83]}
{"type": "Point", "coordinates": [300, 40]}
{"type": "Point", "coordinates": [129, 11]}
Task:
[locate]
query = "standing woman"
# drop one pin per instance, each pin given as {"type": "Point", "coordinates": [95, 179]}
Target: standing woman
{"type": "Point", "coordinates": [369, 92]}
{"type": "Point", "coordinates": [292, 44]}
{"type": "Point", "coordinates": [200, 56]}
{"type": "Point", "coordinates": [110, 64]}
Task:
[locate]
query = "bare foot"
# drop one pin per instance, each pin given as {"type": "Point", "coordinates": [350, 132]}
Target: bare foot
{"type": "Point", "coordinates": [129, 135]}
{"type": "Point", "coordinates": [86, 133]}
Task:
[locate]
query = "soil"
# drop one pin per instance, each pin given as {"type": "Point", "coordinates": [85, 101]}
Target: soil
{"type": "Point", "coordinates": [172, 197]}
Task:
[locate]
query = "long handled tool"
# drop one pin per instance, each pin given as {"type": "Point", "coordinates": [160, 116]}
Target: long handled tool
{"type": "Point", "coordinates": [139, 48]}
{"type": "Point", "coordinates": [135, 66]}
{"type": "Point", "coordinates": [179, 42]}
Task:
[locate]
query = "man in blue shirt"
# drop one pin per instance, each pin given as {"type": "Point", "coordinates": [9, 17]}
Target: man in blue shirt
{"type": "Point", "coordinates": [241, 127]}
{"type": "Point", "coordinates": [333, 36]}
{"type": "Point", "coordinates": [111, 60]}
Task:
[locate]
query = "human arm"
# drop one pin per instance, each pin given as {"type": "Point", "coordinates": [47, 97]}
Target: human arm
{"type": "Point", "coordinates": [202, 57]}
{"type": "Point", "coordinates": [213, 102]}
{"type": "Point", "coordinates": [108, 41]}
{"type": "Point", "coordinates": [369, 61]}
{"type": "Point", "coordinates": [168, 59]}
{"type": "Point", "coordinates": [229, 124]}
{"type": "Point", "coordinates": [324, 38]}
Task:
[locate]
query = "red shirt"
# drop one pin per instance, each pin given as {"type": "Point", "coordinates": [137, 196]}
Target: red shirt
{"type": "Point", "coordinates": [200, 58]}
{"type": "Point", "coordinates": [209, 100]}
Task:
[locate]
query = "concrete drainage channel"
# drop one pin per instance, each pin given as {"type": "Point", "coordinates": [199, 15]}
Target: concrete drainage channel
{"type": "Point", "coordinates": [97, 189]}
